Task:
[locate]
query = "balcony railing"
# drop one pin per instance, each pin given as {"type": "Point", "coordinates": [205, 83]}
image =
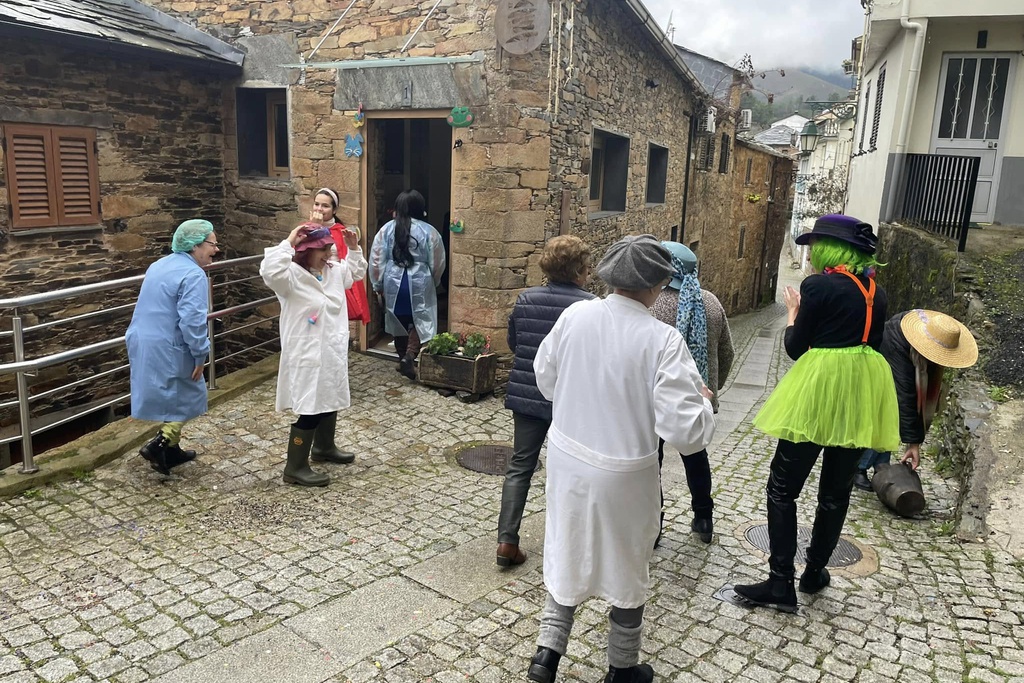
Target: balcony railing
{"type": "Point", "coordinates": [937, 193]}
{"type": "Point", "coordinates": [118, 297]}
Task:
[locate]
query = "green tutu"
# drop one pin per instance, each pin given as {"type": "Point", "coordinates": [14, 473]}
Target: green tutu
{"type": "Point", "coordinates": [835, 397]}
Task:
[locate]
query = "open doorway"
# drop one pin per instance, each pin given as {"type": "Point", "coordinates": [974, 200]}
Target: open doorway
{"type": "Point", "coordinates": [406, 152]}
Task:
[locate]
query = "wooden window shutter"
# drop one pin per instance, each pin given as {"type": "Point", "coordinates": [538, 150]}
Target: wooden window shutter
{"type": "Point", "coordinates": [879, 93]}
{"type": "Point", "coordinates": [30, 176]}
{"type": "Point", "coordinates": [77, 184]}
{"type": "Point", "coordinates": [864, 120]}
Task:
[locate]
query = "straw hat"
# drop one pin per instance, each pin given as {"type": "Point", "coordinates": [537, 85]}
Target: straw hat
{"type": "Point", "coordinates": [939, 338]}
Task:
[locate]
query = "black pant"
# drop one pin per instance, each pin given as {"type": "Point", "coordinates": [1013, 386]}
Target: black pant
{"type": "Point", "coordinates": [698, 480]}
{"type": "Point", "coordinates": [528, 438]}
{"type": "Point", "coordinates": [308, 421]}
{"type": "Point", "coordinates": [790, 468]}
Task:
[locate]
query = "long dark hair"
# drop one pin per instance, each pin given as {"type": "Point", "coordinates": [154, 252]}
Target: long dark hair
{"type": "Point", "coordinates": [409, 205]}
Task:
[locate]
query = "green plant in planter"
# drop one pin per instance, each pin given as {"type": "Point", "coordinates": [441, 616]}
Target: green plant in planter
{"type": "Point", "coordinates": [475, 344]}
{"type": "Point", "coordinates": [443, 344]}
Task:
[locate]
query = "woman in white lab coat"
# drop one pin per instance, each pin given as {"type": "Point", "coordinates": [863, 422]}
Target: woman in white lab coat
{"type": "Point", "coordinates": [312, 380]}
{"type": "Point", "coordinates": [618, 379]}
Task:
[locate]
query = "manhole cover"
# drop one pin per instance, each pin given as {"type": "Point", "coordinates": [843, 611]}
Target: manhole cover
{"type": "Point", "coordinates": [844, 555]}
{"type": "Point", "coordinates": [489, 459]}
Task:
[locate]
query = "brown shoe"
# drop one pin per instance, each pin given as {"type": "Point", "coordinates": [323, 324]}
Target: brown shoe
{"type": "Point", "coordinates": [510, 555]}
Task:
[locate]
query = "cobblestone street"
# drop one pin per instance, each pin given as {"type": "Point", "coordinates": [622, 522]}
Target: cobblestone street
{"type": "Point", "coordinates": [222, 573]}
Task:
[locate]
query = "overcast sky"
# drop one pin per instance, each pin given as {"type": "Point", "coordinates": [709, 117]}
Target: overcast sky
{"type": "Point", "coordinates": [774, 32]}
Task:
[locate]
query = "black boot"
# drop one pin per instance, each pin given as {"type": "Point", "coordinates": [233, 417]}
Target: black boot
{"type": "Point", "coordinates": [814, 579]}
{"type": "Point", "coordinates": [861, 481]}
{"type": "Point", "coordinates": [176, 456]}
{"type": "Point", "coordinates": [838, 472]}
{"type": "Point", "coordinates": [324, 449]}
{"type": "Point", "coordinates": [297, 470]}
{"type": "Point", "coordinates": [641, 673]}
{"type": "Point", "coordinates": [544, 665]}
{"type": "Point", "coordinates": [156, 453]}
{"type": "Point", "coordinates": [704, 528]}
{"type": "Point", "coordinates": [777, 592]}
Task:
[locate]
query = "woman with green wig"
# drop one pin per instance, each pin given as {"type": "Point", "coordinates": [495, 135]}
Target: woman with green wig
{"type": "Point", "coordinates": [839, 397]}
{"type": "Point", "coordinates": [168, 344]}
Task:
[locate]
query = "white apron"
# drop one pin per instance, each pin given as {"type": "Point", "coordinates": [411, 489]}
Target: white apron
{"type": "Point", "coordinates": [618, 380]}
{"type": "Point", "coordinates": [313, 374]}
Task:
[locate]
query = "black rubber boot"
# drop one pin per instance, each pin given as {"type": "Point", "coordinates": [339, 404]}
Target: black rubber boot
{"type": "Point", "coordinates": [324, 449]}
{"type": "Point", "coordinates": [156, 453]}
{"type": "Point", "coordinates": [641, 673]}
{"type": "Point", "coordinates": [814, 579]}
{"type": "Point", "coordinates": [177, 456]}
{"type": "Point", "coordinates": [544, 665]}
{"type": "Point", "coordinates": [861, 481]}
{"type": "Point", "coordinates": [777, 592]}
{"type": "Point", "coordinates": [297, 470]}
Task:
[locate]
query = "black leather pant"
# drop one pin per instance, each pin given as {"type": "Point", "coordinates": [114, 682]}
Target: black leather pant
{"type": "Point", "coordinates": [791, 466]}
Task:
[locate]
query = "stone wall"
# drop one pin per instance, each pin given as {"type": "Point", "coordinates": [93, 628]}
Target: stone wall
{"type": "Point", "coordinates": [755, 213]}
{"type": "Point", "coordinates": [922, 271]}
{"type": "Point", "coordinates": [160, 156]}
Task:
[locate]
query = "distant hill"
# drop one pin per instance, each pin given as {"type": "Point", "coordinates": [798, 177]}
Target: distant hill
{"type": "Point", "coordinates": [802, 84]}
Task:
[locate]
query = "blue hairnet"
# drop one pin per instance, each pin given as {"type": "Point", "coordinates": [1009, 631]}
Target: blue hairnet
{"type": "Point", "coordinates": [189, 234]}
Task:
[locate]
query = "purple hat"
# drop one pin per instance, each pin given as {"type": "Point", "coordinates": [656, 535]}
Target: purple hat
{"type": "Point", "coordinates": [317, 237]}
{"type": "Point", "coordinates": [853, 231]}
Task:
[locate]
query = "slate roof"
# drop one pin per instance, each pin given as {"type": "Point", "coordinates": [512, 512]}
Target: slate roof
{"type": "Point", "coordinates": [781, 136]}
{"type": "Point", "coordinates": [714, 76]}
{"type": "Point", "coordinates": [124, 23]}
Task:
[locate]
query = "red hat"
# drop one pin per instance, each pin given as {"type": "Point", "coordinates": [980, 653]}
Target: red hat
{"type": "Point", "coordinates": [316, 237]}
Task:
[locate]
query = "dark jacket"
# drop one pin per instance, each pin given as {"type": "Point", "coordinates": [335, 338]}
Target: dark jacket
{"type": "Point", "coordinates": [534, 315]}
{"type": "Point", "coordinates": [896, 350]}
{"type": "Point", "coordinates": [832, 315]}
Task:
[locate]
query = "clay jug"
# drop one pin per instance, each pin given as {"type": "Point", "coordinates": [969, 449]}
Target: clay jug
{"type": "Point", "coordinates": [898, 486]}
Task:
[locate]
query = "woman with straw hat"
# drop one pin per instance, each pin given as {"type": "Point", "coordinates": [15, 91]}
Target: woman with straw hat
{"type": "Point", "coordinates": [838, 397]}
{"type": "Point", "coordinates": [919, 346]}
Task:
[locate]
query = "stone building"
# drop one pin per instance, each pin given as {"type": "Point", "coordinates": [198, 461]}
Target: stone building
{"type": "Point", "coordinates": [112, 132]}
{"type": "Point", "coordinates": [584, 122]}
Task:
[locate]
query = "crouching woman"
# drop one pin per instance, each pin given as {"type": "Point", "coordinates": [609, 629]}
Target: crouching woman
{"type": "Point", "coordinates": [312, 379]}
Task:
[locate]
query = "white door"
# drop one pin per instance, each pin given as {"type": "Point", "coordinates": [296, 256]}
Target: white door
{"type": "Point", "coordinates": [971, 120]}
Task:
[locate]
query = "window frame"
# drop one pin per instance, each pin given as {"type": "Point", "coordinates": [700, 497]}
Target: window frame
{"type": "Point", "coordinates": [54, 168]}
{"type": "Point", "coordinates": [276, 98]}
{"type": "Point", "coordinates": [724, 154]}
{"type": "Point", "coordinates": [662, 177]}
{"type": "Point", "coordinates": [612, 184]}
{"type": "Point", "coordinates": [256, 121]}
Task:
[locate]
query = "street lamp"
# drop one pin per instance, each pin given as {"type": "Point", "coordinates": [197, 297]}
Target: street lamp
{"type": "Point", "coordinates": [809, 137]}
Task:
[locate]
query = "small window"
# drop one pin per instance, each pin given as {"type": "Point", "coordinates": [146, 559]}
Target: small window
{"type": "Point", "coordinates": [657, 174]}
{"type": "Point", "coordinates": [609, 172]}
{"type": "Point", "coordinates": [695, 246]}
{"type": "Point", "coordinates": [743, 239]}
{"type": "Point", "coordinates": [723, 156]}
{"type": "Point", "coordinates": [262, 125]}
{"type": "Point", "coordinates": [52, 176]}
{"type": "Point", "coordinates": [747, 179]}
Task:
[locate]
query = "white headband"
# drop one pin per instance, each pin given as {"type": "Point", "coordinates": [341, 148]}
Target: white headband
{"type": "Point", "coordinates": [330, 193]}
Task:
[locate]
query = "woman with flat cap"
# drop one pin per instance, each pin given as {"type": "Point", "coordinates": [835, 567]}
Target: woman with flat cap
{"type": "Point", "coordinates": [838, 397]}
{"type": "Point", "coordinates": [618, 379]}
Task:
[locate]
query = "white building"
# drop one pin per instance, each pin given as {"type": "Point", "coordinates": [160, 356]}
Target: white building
{"type": "Point", "coordinates": [941, 77]}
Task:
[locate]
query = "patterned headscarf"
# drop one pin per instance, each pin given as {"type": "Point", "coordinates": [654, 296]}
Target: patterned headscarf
{"type": "Point", "coordinates": [691, 318]}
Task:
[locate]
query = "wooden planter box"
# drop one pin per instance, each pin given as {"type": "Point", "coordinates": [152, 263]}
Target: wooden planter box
{"type": "Point", "coordinates": [475, 375]}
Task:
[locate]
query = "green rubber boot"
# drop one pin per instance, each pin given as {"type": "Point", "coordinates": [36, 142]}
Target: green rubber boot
{"type": "Point", "coordinates": [296, 470]}
{"type": "Point", "coordinates": [324, 449]}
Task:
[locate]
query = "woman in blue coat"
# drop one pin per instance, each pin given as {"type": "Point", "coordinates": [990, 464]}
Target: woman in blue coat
{"type": "Point", "coordinates": [168, 344]}
{"type": "Point", "coordinates": [406, 264]}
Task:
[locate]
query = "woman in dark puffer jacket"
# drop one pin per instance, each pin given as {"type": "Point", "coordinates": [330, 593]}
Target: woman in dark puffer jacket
{"type": "Point", "coordinates": [566, 264]}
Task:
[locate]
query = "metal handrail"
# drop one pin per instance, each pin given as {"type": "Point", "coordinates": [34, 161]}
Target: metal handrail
{"type": "Point", "coordinates": [23, 367]}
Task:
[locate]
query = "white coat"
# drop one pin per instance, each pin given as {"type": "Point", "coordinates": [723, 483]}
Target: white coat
{"type": "Point", "coordinates": [618, 379]}
{"type": "Point", "coordinates": [313, 374]}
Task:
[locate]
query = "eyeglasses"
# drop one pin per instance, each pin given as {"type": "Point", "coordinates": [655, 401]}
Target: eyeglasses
{"type": "Point", "coordinates": [212, 244]}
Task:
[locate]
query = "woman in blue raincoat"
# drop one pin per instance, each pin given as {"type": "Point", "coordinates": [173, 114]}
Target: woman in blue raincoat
{"type": "Point", "coordinates": [406, 264]}
{"type": "Point", "coordinates": [168, 344]}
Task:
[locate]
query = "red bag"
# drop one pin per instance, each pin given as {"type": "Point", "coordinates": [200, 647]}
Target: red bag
{"type": "Point", "coordinates": [355, 296]}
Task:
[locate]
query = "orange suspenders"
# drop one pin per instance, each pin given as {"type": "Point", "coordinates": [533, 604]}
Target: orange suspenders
{"type": "Point", "coordinates": [869, 297]}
